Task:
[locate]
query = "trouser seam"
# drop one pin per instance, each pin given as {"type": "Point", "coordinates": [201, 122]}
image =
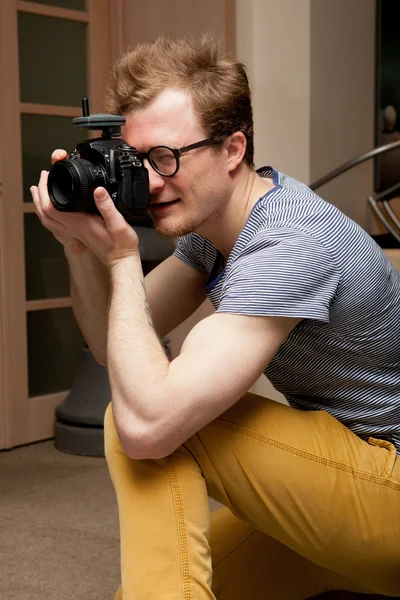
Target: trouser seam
{"type": "Point", "coordinates": [305, 454]}
{"type": "Point", "coordinates": [234, 549]}
{"type": "Point", "coordinates": [180, 519]}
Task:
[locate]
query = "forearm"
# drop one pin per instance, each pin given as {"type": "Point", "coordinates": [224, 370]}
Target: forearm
{"type": "Point", "coordinates": [137, 365]}
{"type": "Point", "coordinates": [136, 356]}
{"type": "Point", "coordinates": [90, 290]}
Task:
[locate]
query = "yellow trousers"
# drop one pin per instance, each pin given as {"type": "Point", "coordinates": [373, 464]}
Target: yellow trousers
{"type": "Point", "coordinates": [310, 507]}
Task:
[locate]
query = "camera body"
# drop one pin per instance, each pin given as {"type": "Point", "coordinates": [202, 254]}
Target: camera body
{"type": "Point", "coordinates": [106, 161]}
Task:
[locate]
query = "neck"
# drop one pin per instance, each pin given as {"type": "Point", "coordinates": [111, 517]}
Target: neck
{"type": "Point", "coordinates": [225, 226]}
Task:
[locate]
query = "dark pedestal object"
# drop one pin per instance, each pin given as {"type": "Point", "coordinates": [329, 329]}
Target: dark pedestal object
{"type": "Point", "coordinates": [79, 419]}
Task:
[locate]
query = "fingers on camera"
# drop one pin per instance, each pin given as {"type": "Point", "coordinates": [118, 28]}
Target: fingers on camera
{"type": "Point", "coordinates": [43, 177]}
{"type": "Point", "coordinates": [34, 190]}
{"type": "Point", "coordinates": [41, 199]}
{"type": "Point", "coordinates": [58, 154]}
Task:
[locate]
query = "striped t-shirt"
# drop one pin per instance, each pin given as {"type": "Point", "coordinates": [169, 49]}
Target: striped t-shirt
{"type": "Point", "coordinates": [299, 256]}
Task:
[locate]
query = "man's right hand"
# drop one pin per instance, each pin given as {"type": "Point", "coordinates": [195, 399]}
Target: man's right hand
{"type": "Point", "coordinates": [60, 224]}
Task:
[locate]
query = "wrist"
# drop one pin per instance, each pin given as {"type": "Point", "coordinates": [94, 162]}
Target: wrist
{"type": "Point", "coordinates": [125, 270]}
{"type": "Point", "coordinates": [85, 260]}
{"type": "Point", "coordinates": [125, 262]}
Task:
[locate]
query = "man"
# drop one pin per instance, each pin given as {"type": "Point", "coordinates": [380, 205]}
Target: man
{"type": "Point", "coordinates": [312, 491]}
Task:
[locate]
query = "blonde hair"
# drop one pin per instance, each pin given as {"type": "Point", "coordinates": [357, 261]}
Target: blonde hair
{"type": "Point", "coordinates": [217, 84]}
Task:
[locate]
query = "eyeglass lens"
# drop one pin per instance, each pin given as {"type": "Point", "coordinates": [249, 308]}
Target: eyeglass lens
{"type": "Point", "coordinates": [163, 160]}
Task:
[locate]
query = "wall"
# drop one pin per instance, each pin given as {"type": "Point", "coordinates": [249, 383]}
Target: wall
{"type": "Point", "coordinates": [342, 100]}
{"type": "Point", "coordinates": [311, 65]}
{"type": "Point", "coordinates": [273, 40]}
{"type": "Point", "coordinates": [139, 21]}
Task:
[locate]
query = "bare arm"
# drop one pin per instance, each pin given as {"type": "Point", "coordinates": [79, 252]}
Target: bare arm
{"type": "Point", "coordinates": [158, 405]}
{"type": "Point", "coordinates": [90, 291]}
{"type": "Point", "coordinates": [173, 289]}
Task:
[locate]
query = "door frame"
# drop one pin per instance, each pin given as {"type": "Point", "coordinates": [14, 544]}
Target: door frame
{"type": "Point", "coordinates": [22, 419]}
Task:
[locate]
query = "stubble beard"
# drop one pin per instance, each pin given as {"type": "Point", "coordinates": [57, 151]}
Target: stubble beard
{"type": "Point", "coordinates": [189, 225]}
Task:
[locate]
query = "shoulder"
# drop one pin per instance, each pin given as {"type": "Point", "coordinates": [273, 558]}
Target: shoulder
{"type": "Point", "coordinates": [196, 251]}
{"type": "Point", "coordinates": [292, 211]}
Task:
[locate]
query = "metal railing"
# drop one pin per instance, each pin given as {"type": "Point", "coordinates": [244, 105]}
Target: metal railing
{"type": "Point", "coordinates": [376, 201]}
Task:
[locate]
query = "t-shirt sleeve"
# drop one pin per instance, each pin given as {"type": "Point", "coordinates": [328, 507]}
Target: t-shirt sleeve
{"type": "Point", "coordinates": [288, 274]}
{"type": "Point", "coordinates": [197, 252]}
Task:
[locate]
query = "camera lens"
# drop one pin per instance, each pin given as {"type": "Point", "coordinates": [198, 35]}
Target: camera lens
{"type": "Point", "coordinates": [71, 184]}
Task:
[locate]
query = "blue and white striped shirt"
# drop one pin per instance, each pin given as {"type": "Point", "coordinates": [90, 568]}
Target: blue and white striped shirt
{"type": "Point", "coordinates": [299, 256]}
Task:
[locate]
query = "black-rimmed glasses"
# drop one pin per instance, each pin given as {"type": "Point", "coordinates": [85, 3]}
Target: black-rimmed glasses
{"type": "Point", "coordinates": [166, 161]}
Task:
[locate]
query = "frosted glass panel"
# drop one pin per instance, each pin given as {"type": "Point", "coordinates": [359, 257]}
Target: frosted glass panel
{"type": "Point", "coordinates": [73, 4]}
{"type": "Point", "coordinates": [52, 60]}
{"type": "Point", "coordinates": [54, 349]}
{"type": "Point", "coordinates": [45, 264]}
{"type": "Point", "coordinates": [40, 136]}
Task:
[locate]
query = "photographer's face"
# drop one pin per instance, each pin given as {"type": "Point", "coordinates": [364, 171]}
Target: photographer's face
{"type": "Point", "coordinates": [197, 194]}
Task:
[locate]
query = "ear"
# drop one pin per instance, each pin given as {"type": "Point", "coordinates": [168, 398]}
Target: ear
{"type": "Point", "coordinates": [236, 146]}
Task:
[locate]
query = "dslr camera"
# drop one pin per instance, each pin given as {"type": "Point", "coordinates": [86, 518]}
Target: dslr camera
{"type": "Point", "coordinates": [106, 161]}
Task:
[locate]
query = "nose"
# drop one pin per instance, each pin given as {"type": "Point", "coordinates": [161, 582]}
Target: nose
{"type": "Point", "coordinates": [156, 181]}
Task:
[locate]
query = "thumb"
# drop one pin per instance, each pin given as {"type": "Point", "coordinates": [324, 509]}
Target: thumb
{"type": "Point", "coordinates": [101, 195]}
{"type": "Point", "coordinates": [106, 207]}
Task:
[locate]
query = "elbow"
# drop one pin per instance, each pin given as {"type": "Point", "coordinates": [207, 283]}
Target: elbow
{"type": "Point", "coordinates": [143, 453]}
{"type": "Point", "coordinates": [142, 449]}
{"type": "Point", "coordinates": [143, 443]}
{"type": "Point", "coordinates": [136, 450]}
{"type": "Point", "coordinates": [100, 357]}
